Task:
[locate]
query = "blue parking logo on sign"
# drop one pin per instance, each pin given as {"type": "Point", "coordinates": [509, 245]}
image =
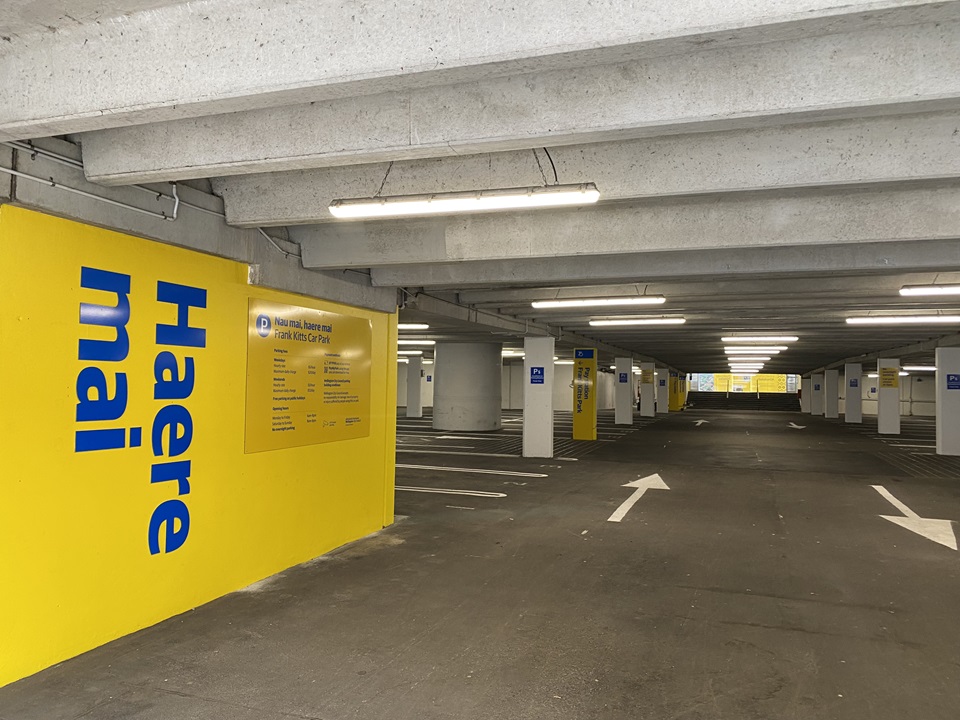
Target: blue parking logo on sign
{"type": "Point", "coordinates": [816, 387]}
{"type": "Point", "coordinates": [854, 382]}
{"type": "Point", "coordinates": [663, 382]}
{"type": "Point", "coordinates": [584, 353]}
{"type": "Point", "coordinates": [536, 376]}
{"type": "Point", "coordinates": [953, 382]}
{"type": "Point", "coordinates": [623, 377]}
{"type": "Point", "coordinates": [263, 325]}
{"type": "Point", "coordinates": [429, 378]}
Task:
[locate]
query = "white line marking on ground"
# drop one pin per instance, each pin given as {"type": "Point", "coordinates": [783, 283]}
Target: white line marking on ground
{"type": "Point", "coordinates": [456, 452]}
{"type": "Point", "coordinates": [448, 491]}
{"type": "Point", "coordinates": [508, 473]}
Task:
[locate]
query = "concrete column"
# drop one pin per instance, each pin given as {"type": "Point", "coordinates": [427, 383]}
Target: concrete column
{"type": "Point", "coordinates": [648, 389]}
{"type": "Point", "coordinates": [948, 401]}
{"type": "Point", "coordinates": [853, 379]}
{"type": "Point", "coordinates": [414, 388]}
{"type": "Point", "coordinates": [466, 393]}
{"type": "Point", "coordinates": [888, 398]}
{"type": "Point", "coordinates": [816, 394]}
{"type": "Point", "coordinates": [831, 394]}
{"type": "Point", "coordinates": [662, 377]}
{"type": "Point", "coordinates": [538, 397]}
{"type": "Point", "coordinates": [623, 398]}
{"type": "Point", "coordinates": [806, 390]}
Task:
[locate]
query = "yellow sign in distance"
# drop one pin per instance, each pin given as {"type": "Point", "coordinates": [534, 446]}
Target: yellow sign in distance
{"type": "Point", "coordinates": [585, 394]}
{"type": "Point", "coordinates": [889, 377]}
{"type": "Point", "coordinates": [308, 376]}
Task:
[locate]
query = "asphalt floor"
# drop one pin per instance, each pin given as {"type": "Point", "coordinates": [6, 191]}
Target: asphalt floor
{"type": "Point", "coordinates": [763, 583]}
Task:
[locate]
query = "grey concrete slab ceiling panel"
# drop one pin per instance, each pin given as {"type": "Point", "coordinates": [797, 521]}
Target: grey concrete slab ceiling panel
{"type": "Point", "coordinates": [841, 153]}
{"type": "Point", "coordinates": [738, 221]}
{"type": "Point", "coordinates": [232, 55]}
{"type": "Point", "coordinates": [868, 72]}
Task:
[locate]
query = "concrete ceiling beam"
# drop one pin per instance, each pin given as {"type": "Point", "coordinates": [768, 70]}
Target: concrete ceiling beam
{"type": "Point", "coordinates": [176, 60]}
{"type": "Point", "coordinates": [830, 154]}
{"type": "Point", "coordinates": [885, 257]}
{"type": "Point", "coordinates": [871, 72]}
{"type": "Point", "coordinates": [704, 223]}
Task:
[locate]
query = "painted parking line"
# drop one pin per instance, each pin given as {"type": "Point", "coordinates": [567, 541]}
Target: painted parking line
{"type": "Point", "coordinates": [449, 491]}
{"type": "Point", "coordinates": [455, 452]}
{"type": "Point", "coordinates": [414, 445]}
{"type": "Point", "coordinates": [508, 473]}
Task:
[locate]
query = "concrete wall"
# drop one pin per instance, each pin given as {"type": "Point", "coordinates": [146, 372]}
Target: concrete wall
{"type": "Point", "coordinates": [917, 395]}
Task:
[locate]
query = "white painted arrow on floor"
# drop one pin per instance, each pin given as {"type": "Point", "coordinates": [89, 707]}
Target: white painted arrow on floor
{"type": "Point", "coordinates": [940, 531]}
{"type": "Point", "coordinates": [701, 422]}
{"type": "Point", "coordinates": [797, 427]}
{"type": "Point", "coordinates": [651, 482]}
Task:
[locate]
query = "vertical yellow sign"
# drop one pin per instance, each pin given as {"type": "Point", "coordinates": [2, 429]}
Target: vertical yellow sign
{"type": "Point", "coordinates": [308, 376]}
{"type": "Point", "coordinates": [585, 394]}
{"type": "Point", "coordinates": [646, 377]}
{"type": "Point", "coordinates": [889, 377]}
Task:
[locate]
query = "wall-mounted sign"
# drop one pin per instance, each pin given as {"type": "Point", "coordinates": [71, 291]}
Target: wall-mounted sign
{"type": "Point", "coordinates": [623, 377]}
{"type": "Point", "coordinates": [854, 382]}
{"type": "Point", "coordinates": [536, 376]}
{"type": "Point", "coordinates": [308, 376]}
{"type": "Point", "coordinates": [889, 378]}
{"type": "Point", "coordinates": [584, 394]}
{"type": "Point", "coordinates": [953, 382]}
{"type": "Point", "coordinates": [646, 377]}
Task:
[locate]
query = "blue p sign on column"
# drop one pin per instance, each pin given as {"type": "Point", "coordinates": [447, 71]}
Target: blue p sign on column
{"type": "Point", "coordinates": [623, 377]}
{"type": "Point", "coordinates": [536, 376]}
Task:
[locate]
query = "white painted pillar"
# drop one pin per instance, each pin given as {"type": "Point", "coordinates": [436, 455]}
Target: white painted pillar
{"type": "Point", "coordinates": [662, 376]}
{"type": "Point", "coordinates": [648, 389]}
{"type": "Point", "coordinates": [538, 397]}
{"type": "Point", "coordinates": [948, 401]}
{"type": "Point", "coordinates": [831, 394]}
{"type": "Point", "coordinates": [806, 389]}
{"type": "Point", "coordinates": [888, 396]}
{"type": "Point", "coordinates": [853, 406]}
{"type": "Point", "coordinates": [414, 387]}
{"type": "Point", "coordinates": [467, 386]}
{"type": "Point", "coordinates": [816, 394]}
{"type": "Point", "coordinates": [623, 397]}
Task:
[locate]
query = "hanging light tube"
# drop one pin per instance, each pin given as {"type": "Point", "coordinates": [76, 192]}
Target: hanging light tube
{"type": "Point", "coordinates": [772, 350]}
{"type": "Point", "coordinates": [465, 202]}
{"type": "Point", "coordinates": [599, 302]}
{"type": "Point", "coordinates": [759, 338]}
{"type": "Point", "coordinates": [416, 342]}
{"type": "Point", "coordinates": [922, 290]}
{"type": "Point", "coordinates": [638, 321]}
{"type": "Point", "coordinates": [904, 320]}
{"type": "Point", "coordinates": [413, 326]}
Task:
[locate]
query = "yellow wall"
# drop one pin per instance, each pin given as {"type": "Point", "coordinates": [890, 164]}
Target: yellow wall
{"type": "Point", "coordinates": [75, 567]}
{"type": "Point", "coordinates": [762, 382]}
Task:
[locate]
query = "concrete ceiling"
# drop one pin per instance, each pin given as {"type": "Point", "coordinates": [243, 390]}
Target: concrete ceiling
{"type": "Point", "coordinates": [767, 166]}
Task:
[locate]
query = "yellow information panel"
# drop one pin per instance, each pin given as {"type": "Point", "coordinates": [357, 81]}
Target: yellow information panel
{"type": "Point", "coordinates": [646, 377]}
{"type": "Point", "coordinates": [889, 377]}
{"type": "Point", "coordinates": [308, 376]}
{"type": "Point", "coordinates": [584, 394]}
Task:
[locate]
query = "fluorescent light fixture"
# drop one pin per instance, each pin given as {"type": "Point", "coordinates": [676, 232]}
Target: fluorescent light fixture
{"type": "Point", "coordinates": [511, 353]}
{"type": "Point", "coordinates": [402, 360]}
{"type": "Point", "coordinates": [638, 321]}
{"type": "Point", "coordinates": [919, 368]}
{"type": "Point", "coordinates": [771, 350]}
{"type": "Point", "coordinates": [599, 302]}
{"type": "Point", "coordinates": [563, 362]}
{"type": "Point", "coordinates": [409, 352]}
{"type": "Point", "coordinates": [759, 338]}
{"type": "Point", "coordinates": [875, 375]}
{"type": "Point", "coordinates": [748, 358]}
{"type": "Point", "coordinates": [904, 320]}
{"type": "Point", "coordinates": [428, 362]}
{"type": "Point", "coordinates": [914, 290]}
{"type": "Point", "coordinates": [736, 368]}
{"type": "Point", "coordinates": [465, 202]}
{"type": "Point", "coordinates": [416, 342]}
{"type": "Point", "coordinates": [413, 326]}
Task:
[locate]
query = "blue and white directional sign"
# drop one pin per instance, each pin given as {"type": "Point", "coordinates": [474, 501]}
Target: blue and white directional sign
{"type": "Point", "coordinates": [583, 353]}
{"type": "Point", "coordinates": [953, 382]}
{"type": "Point", "coordinates": [536, 376]}
{"type": "Point", "coordinates": [623, 377]}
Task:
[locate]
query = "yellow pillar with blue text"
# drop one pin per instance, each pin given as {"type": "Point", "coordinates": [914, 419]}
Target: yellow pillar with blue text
{"type": "Point", "coordinates": [136, 482]}
{"type": "Point", "coordinates": [585, 394]}
{"type": "Point", "coordinates": [676, 392]}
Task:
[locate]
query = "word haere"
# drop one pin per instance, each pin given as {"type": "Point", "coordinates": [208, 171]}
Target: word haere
{"type": "Point", "coordinates": [174, 380]}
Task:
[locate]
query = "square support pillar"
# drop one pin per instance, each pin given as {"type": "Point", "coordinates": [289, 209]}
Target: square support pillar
{"type": "Point", "coordinates": [888, 396]}
{"type": "Point", "coordinates": [415, 387]}
{"type": "Point", "coordinates": [853, 381]}
{"type": "Point", "coordinates": [948, 401]}
{"type": "Point", "coordinates": [538, 397]}
{"type": "Point", "coordinates": [623, 400]}
{"type": "Point", "coordinates": [662, 377]}
{"type": "Point", "coordinates": [816, 394]}
{"type": "Point", "coordinates": [648, 390]}
{"type": "Point", "coordinates": [806, 388]}
{"type": "Point", "coordinates": [831, 394]}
